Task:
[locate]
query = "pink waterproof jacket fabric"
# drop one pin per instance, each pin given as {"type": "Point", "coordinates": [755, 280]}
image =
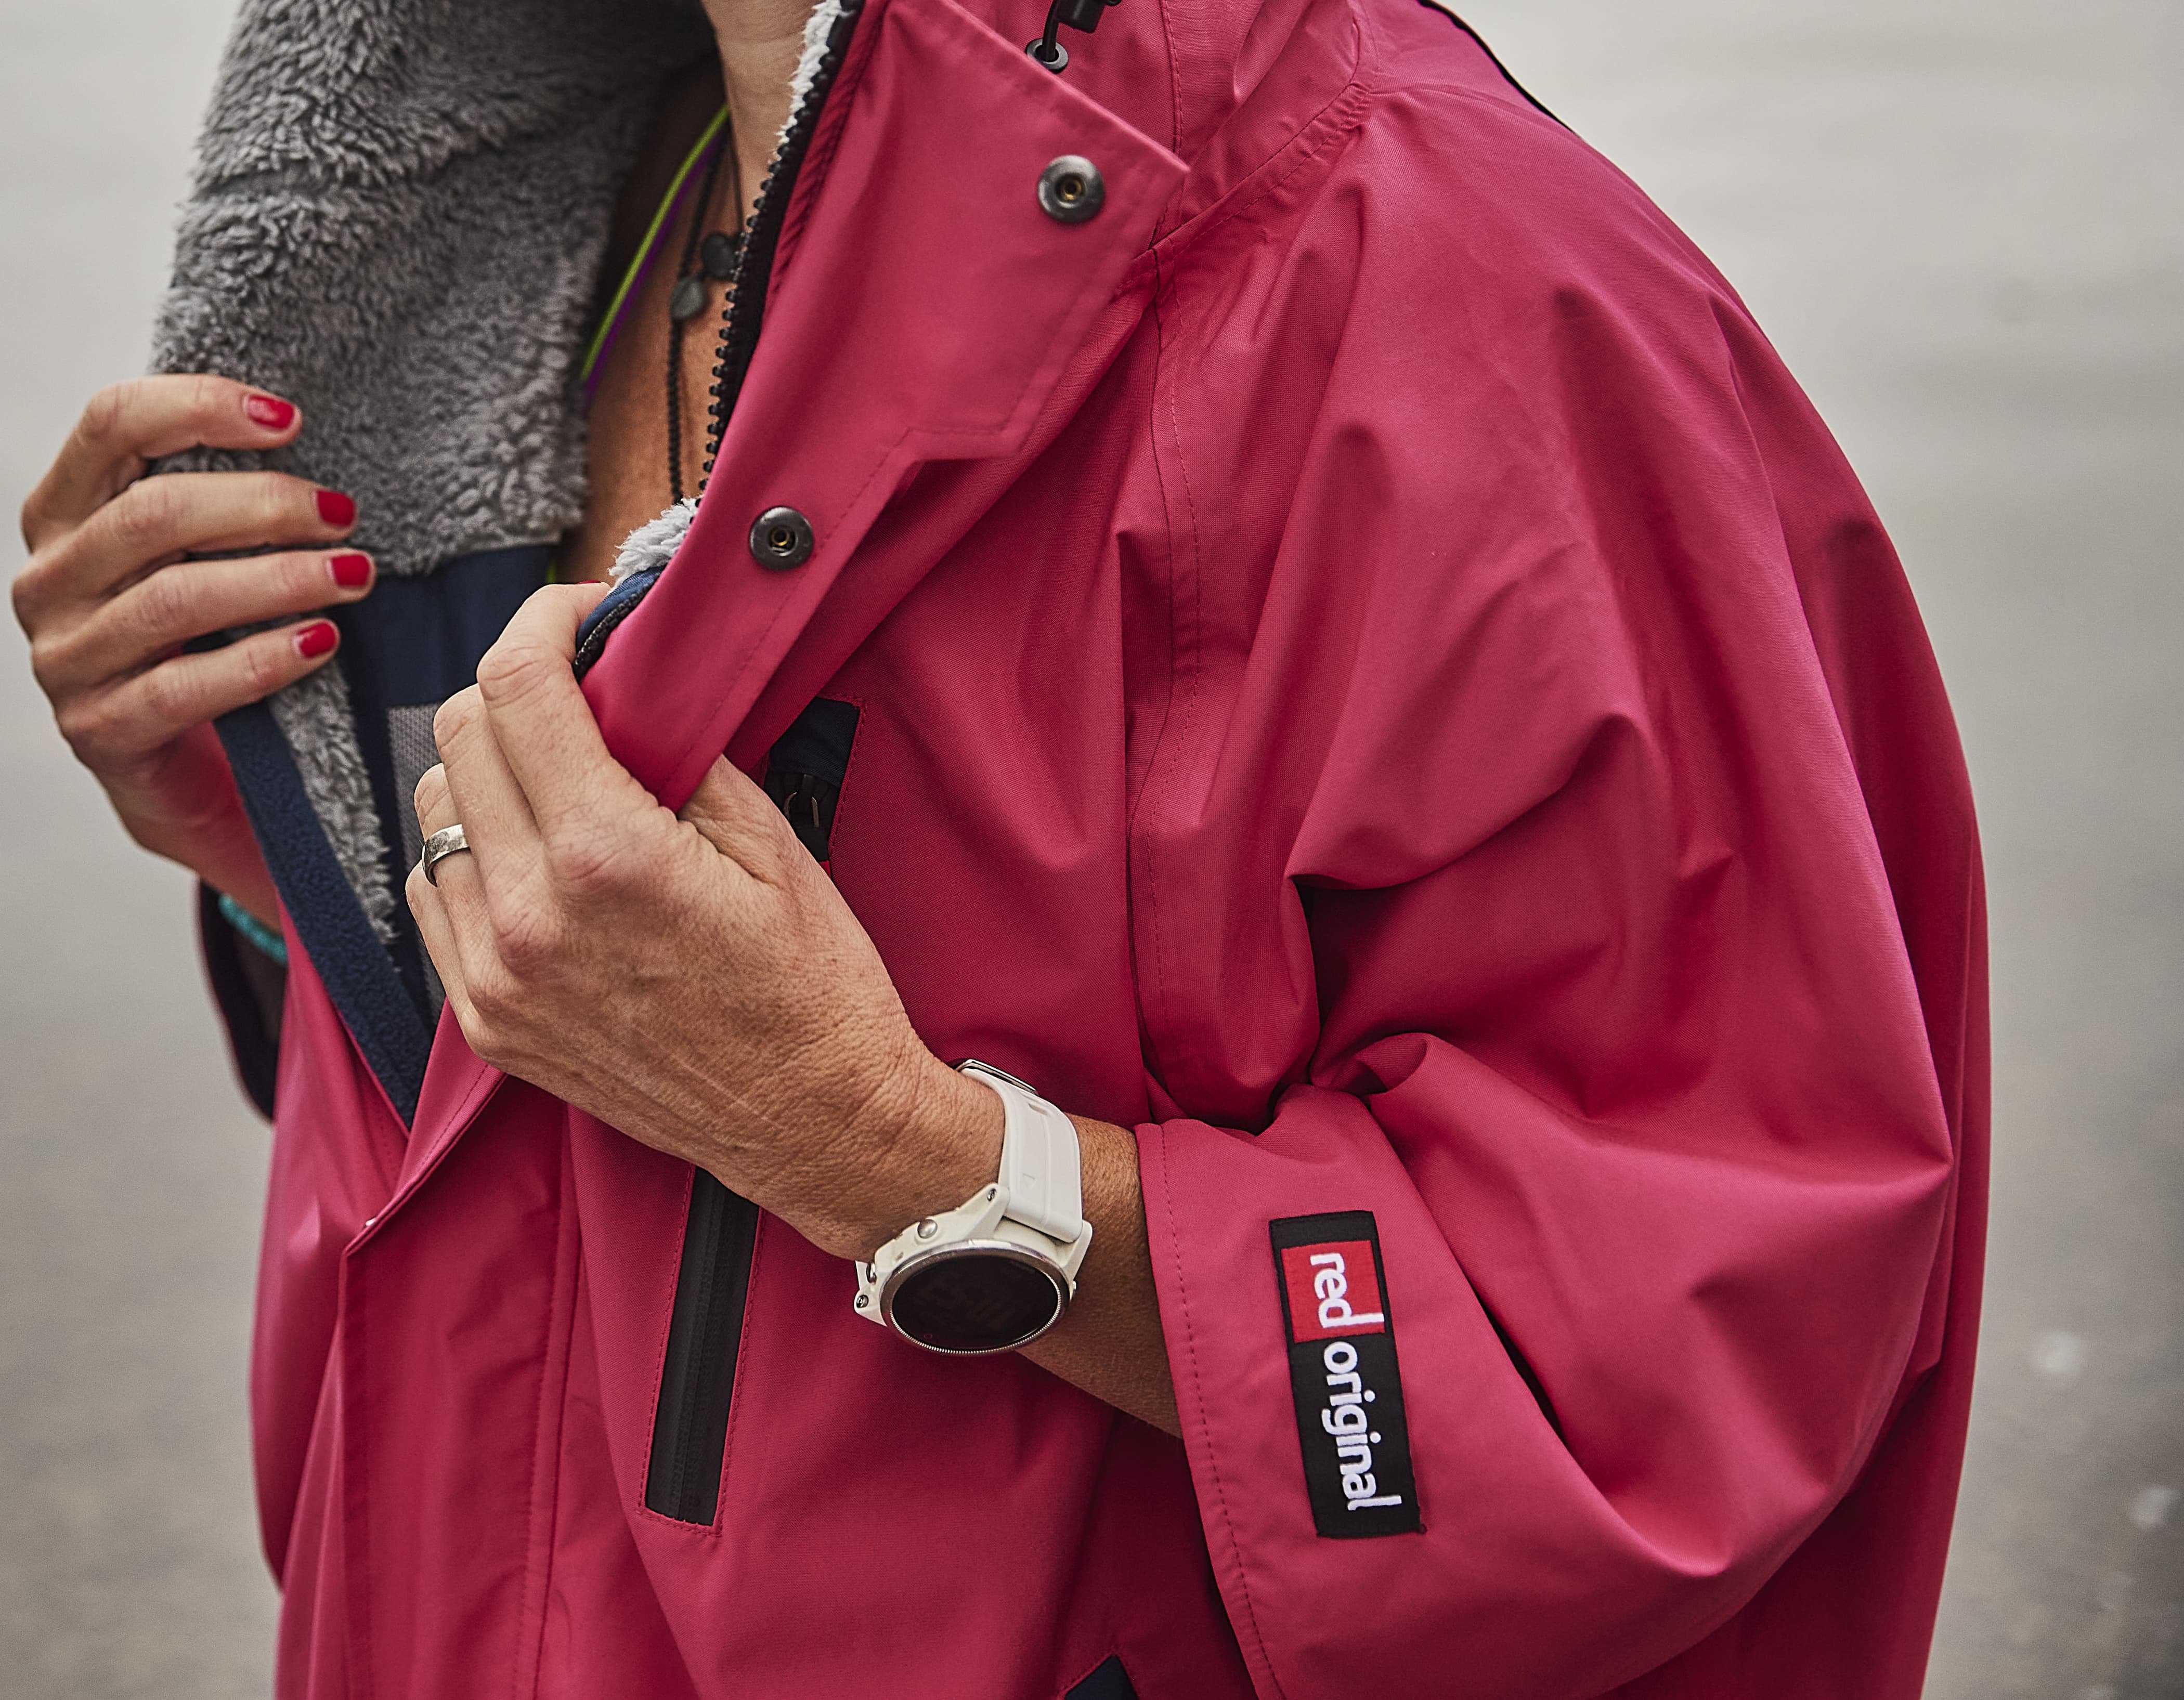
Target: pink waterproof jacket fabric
{"type": "Point", "coordinates": [1371, 673]}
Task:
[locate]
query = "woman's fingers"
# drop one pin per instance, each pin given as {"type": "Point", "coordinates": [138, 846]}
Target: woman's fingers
{"type": "Point", "coordinates": [176, 513]}
{"type": "Point", "coordinates": [449, 913]}
{"type": "Point", "coordinates": [159, 519]}
{"type": "Point", "coordinates": [191, 599]}
{"type": "Point", "coordinates": [126, 425]}
{"type": "Point", "coordinates": [485, 796]}
{"type": "Point", "coordinates": [139, 715]}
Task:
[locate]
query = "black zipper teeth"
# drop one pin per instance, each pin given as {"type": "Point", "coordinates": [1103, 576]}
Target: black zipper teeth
{"type": "Point", "coordinates": [689, 1440]}
{"type": "Point", "coordinates": [745, 304]}
{"type": "Point", "coordinates": [707, 1300]}
{"type": "Point", "coordinates": [595, 640]}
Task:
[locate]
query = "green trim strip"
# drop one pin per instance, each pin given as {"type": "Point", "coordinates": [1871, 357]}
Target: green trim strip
{"type": "Point", "coordinates": [642, 258]}
{"type": "Point", "coordinates": [612, 316]}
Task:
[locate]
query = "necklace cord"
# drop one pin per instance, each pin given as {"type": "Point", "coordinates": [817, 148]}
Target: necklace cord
{"type": "Point", "coordinates": [641, 261]}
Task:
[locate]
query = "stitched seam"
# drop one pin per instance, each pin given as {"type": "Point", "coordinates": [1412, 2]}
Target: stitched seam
{"type": "Point", "coordinates": [1354, 98]}
{"type": "Point", "coordinates": [1159, 478]}
{"type": "Point", "coordinates": [561, 1447]}
{"type": "Point", "coordinates": [531, 1542]}
{"type": "Point", "coordinates": [1177, 754]}
{"type": "Point", "coordinates": [543, 1527]}
{"type": "Point", "coordinates": [850, 72]}
{"type": "Point", "coordinates": [735, 1396]}
{"type": "Point", "coordinates": [358, 1585]}
{"type": "Point", "coordinates": [1147, 855]}
{"type": "Point", "coordinates": [1206, 1428]}
{"type": "Point", "coordinates": [1342, 113]}
{"type": "Point", "coordinates": [1174, 79]}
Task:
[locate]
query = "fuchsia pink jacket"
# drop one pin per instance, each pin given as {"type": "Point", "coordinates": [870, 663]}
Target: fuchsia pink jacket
{"type": "Point", "coordinates": [1356, 660]}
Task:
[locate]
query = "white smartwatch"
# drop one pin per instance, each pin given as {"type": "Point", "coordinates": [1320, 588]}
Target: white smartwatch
{"type": "Point", "coordinates": [999, 1270]}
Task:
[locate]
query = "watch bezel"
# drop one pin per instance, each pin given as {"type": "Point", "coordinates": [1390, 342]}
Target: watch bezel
{"type": "Point", "coordinates": [927, 1258]}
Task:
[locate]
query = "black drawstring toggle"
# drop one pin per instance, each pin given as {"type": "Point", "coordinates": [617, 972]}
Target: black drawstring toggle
{"type": "Point", "coordinates": [1077, 15]}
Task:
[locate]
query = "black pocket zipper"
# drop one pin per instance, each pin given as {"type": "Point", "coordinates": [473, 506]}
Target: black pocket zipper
{"type": "Point", "coordinates": [697, 1381]}
{"type": "Point", "coordinates": [804, 772]}
{"type": "Point", "coordinates": [690, 1432]}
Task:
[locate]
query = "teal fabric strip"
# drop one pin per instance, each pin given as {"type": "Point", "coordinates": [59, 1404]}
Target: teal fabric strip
{"type": "Point", "coordinates": [268, 942]}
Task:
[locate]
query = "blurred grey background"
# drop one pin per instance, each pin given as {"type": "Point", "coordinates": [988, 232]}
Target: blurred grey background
{"type": "Point", "coordinates": [1963, 220]}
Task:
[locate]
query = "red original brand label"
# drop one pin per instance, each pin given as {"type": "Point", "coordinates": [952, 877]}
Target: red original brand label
{"type": "Point", "coordinates": [1344, 1375]}
{"type": "Point", "coordinates": [1333, 1290]}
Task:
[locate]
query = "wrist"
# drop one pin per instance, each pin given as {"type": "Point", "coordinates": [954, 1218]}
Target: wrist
{"type": "Point", "coordinates": [203, 829]}
{"type": "Point", "coordinates": [936, 1142]}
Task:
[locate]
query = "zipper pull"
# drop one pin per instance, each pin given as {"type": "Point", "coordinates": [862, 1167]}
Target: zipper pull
{"type": "Point", "coordinates": [806, 800]}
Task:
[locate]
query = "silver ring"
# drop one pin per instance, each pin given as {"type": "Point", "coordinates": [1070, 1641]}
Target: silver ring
{"type": "Point", "coordinates": [449, 841]}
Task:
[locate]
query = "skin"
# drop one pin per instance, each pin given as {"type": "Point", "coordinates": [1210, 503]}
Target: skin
{"type": "Point", "coordinates": [757, 1033]}
{"type": "Point", "coordinates": [108, 597]}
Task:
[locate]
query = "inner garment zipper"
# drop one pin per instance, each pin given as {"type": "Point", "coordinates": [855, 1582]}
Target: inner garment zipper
{"type": "Point", "coordinates": [744, 306]}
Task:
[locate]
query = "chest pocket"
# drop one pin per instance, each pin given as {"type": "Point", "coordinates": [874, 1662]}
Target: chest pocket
{"type": "Point", "coordinates": [805, 770]}
{"type": "Point", "coordinates": [805, 774]}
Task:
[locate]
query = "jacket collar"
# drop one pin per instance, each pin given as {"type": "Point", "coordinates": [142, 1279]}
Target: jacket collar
{"type": "Point", "coordinates": [923, 309]}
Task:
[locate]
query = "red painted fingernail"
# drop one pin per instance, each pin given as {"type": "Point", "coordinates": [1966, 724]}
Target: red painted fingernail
{"type": "Point", "coordinates": [336, 508]}
{"type": "Point", "coordinates": [316, 639]}
{"type": "Point", "coordinates": [269, 411]}
{"type": "Point", "coordinates": [352, 571]}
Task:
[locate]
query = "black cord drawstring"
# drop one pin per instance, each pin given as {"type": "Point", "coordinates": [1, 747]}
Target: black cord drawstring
{"type": "Point", "coordinates": [1077, 15]}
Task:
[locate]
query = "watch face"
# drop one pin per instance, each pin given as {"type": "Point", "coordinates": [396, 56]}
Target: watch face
{"type": "Point", "coordinates": [975, 1299]}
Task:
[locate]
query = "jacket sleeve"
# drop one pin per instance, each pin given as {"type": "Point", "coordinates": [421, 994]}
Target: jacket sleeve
{"type": "Point", "coordinates": [1619, 1055]}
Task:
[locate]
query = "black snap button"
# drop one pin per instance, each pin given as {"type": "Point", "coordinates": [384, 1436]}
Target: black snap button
{"type": "Point", "coordinates": [1070, 190]}
{"type": "Point", "coordinates": [781, 538]}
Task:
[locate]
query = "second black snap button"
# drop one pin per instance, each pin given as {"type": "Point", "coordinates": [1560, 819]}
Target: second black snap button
{"type": "Point", "coordinates": [1070, 190]}
{"type": "Point", "coordinates": [781, 538]}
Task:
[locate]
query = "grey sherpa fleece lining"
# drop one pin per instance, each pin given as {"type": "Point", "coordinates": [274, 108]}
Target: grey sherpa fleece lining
{"type": "Point", "coordinates": [397, 220]}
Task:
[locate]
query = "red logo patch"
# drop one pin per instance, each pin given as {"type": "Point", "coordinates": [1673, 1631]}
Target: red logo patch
{"type": "Point", "coordinates": [1333, 1291]}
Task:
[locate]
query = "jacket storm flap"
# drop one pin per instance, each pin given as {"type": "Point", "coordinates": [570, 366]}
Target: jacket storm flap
{"type": "Point", "coordinates": [1356, 661]}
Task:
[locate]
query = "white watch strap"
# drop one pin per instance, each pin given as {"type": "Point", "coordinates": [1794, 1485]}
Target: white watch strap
{"type": "Point", "coordinates": [1040, 1162]}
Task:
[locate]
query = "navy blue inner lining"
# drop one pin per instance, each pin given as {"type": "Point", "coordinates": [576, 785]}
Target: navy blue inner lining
{"type": "Point", "coordinates": [414, 642]}
{"type": "Point", "coordinates": [411, 643]}
{"type": "Point", "coordinates": [818, 742]}
{"type": "Point", "coordinates": [358, 975]}
{"type": "Point", "coordinates": [430, 632]}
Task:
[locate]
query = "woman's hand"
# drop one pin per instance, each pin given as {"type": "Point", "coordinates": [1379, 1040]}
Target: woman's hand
{"type": "Point", "coordinates": [693, 980]}
{"type": "Point", "coordinates": [696, 982]}
{"type": "Point", "coordinates": [110, 597]}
